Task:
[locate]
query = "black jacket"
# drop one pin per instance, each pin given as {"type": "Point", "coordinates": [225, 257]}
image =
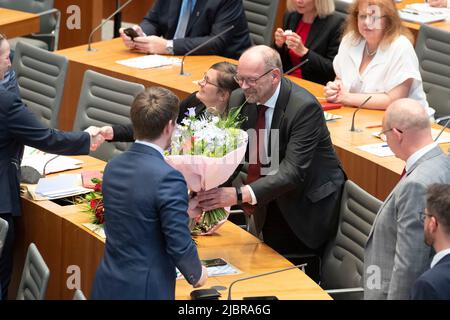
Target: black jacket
{"type": "Point", "coordinates": [323, 44]}
{"type": "Point", "coordinates": [208, 18]}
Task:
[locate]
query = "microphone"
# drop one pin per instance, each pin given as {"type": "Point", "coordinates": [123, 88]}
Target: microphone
{"type": "Point", "coordinates": [264, 274]}
{"type": "Point", "coordinates": [182, 73]}
{"type": "Point", "coordinates": [354, 113]}
{"type": "Point", "coordinates": [103, 22]}
{"type": "Point", "coordinates": [295, 67]}
{"type": "Point", "coordinates": [445, 126]}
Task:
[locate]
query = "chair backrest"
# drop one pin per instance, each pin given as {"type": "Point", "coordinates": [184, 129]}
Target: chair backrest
{"type": "Point", "coordinates": [342, 7]}
{"type": "Point", "coordinates": [261, 15]}
{"type": "Point", "coordinates": [40, 75]}
{"type": "Point", "coordinates": [3, 233]}
{"type": "Point", "coordinates": [78, 295]}
{"type": "Point", "coordinates": [433, 52]}
{"type": "Point", "coordinates": [35, 275]}
{"type": "Point", "coordinates": [343, 261]}
{"type": "Point", "coordinates": [105, 101]}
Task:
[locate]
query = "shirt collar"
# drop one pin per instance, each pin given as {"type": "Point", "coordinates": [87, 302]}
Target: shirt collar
{"type": "Point", "coordinates": [273, 99]}
{"type": "Point", "coordinates": [357, 51]}
{"type": "Point", "coordinates": [152, 145]}
{"type": "Point", "coordinates": [438, 256]}
{"type": "Point", "coordinates": [417, 155]}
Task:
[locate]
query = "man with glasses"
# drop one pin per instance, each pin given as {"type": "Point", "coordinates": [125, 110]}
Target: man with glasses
{"type": "Point", "coordinates": [293, 187]}
{"type": "Point", "coordinates": [434, 284]}
{"type": "Point", "coordinates": [395, 254]}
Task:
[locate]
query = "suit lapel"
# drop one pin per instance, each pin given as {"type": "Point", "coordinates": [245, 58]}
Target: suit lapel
{"type": "Point", "coordinates": [196, 12]}
{"type": "Point", "coordinates": [314, 32]}
{"type": "Point", "coordinates": [280, 107]}
{"type": "Point", "coordinates": [436, 151]}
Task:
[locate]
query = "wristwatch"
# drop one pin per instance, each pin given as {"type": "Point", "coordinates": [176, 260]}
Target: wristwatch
{"type": "Point", "coordinates": [169, 46]}
{"type": "Point", "coordinates": [238, 195]}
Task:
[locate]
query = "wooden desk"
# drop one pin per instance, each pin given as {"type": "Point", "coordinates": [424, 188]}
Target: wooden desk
{"type": "Point", "coordinates": [414, 27]}
{"type": "Point", "coordinates": [376, 175]}
{"type": "Point", "coordinates": [104, 61]}
{"type": "Point", "coordinates": [64, 242]}
{"type": "Point", "coordinates": [18, 23]}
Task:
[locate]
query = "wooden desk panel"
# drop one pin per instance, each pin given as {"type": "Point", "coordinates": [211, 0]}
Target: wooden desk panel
{"type": "Point", "coordinates": [18, 23]}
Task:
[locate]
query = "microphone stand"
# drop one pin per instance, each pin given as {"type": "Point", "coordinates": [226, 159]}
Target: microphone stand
{"type": "Point", "coordinates": [182, 73]}
{"type": "Point", "coordinates": [103, 22]}
{"type": "Point", "coordinates": [295, 67]}
{"type": "Point", "coordinates": [264, 274]}
{"type": "Point", "coordinates": [352, 129]}
{"type": "Point", "coordinates": [445, 126]}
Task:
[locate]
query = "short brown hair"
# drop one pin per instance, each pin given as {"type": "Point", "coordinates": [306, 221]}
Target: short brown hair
{"type": "Point", "coordinates": [394, 26]}
{"type": "Point", "coordinates": [225, 76]}
{"type": "Point", "coordinates": [438, 204]}
{"type": "Point", "coordinates": [151, 111]}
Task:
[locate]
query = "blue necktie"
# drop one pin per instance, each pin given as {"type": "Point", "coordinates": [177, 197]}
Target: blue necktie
{"type": "Point", "coordinates": [183, 20]}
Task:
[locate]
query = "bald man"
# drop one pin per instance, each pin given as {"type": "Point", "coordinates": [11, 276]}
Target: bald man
{"type": "Point", "coordinates": [295, 193]}
{"type": "Point", "coordinates": [396, 254]}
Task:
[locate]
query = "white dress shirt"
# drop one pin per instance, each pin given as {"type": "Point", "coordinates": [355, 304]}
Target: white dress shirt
{"type": "Point", "coordinates": [438, 256]}
{"type": "Point", "coordinates": [390, 67]}
{"type": "Point", "coordinates": [149, 144]}
{"type": "Point", "coordinates": [270, 104]}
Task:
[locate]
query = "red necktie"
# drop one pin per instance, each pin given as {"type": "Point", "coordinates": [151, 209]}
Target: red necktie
{"type": "Point", "coordinates": [254, 169]}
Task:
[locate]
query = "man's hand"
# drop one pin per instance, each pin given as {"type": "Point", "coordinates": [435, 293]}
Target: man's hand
{"type": "Point", "coordinates": [150, 45]}
{"type": "Point", "coordinates": [96, 138]}
{"type": "Point", "coordinates": [438, 3]}
{"type": "Point", "coordinates": [194, 211]}
{"type": "Point", "coordinates": [203, 278]}
{"type": "Point", "coordinates": [107, 132]}
{"type": "Point", "coordinates": [127, 40]}
{"type": "Point", "coordinates": [217, 198]}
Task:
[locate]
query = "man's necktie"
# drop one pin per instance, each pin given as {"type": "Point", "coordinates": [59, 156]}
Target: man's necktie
{"type": "Point", "coordinates": [254, 169]}
{"type": "Point", "coordinates": [183, 20]}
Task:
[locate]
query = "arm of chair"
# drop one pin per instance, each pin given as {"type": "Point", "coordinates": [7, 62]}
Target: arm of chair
{"type": "Point", "coordinates": [346, 294]}
{"type": "Point", "coordinates": [239, 211]}
{"type": "Point", "coordinates": [55, 32]}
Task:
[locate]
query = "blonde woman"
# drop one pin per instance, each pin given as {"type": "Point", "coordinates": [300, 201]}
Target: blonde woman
{"type": "Point", "coordinates": [311, 30]}
{"type": "Point", "coordinates": [376, 58]}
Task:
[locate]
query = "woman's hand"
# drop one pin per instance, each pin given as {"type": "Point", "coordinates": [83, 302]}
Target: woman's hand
{"type": "Point", "coordinates": [295, 43]}
{"type": "Point", "coordinates": [279, 37]}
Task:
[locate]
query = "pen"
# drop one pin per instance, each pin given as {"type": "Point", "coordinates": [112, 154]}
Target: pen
{"type": "Point", "coordinates": [384, 145]}
{"type": "Point", "coordinates": [374, 126]}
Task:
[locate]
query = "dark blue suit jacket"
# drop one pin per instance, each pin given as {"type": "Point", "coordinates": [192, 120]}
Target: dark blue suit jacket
{"type": "Point", "coordinates": [146, 225]}
{"type": "Point", "coordinates": [209, 17]}
{"type": "Point", "coordinates": [434, 284]}
{"type": "Point", "coordinates": [19, 127]}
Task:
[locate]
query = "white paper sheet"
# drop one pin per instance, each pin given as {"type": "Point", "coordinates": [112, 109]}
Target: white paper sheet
{"type": "Point", "coordinates": [149, 61]}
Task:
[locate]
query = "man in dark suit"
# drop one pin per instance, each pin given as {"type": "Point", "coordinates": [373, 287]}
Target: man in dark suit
{"type": "Point", "coordinates": [177, 26]}
{"type": "Point", "coordinates": [434, 284]}
{"type": "Point", "coordinates": [297, 192]}
{"type": "Point", "coordinates": [147, 232]}
{"type": "Point", "coordinates": [19, 127]}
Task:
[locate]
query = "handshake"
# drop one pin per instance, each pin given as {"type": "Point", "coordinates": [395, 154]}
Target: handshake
{"type": "Point", "coordinates": [99, 135]}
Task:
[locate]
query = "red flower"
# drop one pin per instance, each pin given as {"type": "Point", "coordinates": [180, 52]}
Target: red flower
{"type": "Point", "coordinates": [98, 187]}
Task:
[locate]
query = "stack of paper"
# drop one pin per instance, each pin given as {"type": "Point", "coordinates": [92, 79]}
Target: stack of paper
{"type": "Point", "coordinates": [422, 13]}
{"type": "Point", "coordinates": [149, 61]}
{"type": "Point", "coordinates": [61, 186]}
{"type": "Point", "coordinates": [329, 116]}
{"type": "Point", "coordinates": [38, 159]}
{"type": "Point", "coordinates": [227, 269]}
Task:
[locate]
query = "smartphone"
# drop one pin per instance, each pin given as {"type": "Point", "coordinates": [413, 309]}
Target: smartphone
{"type": "Point", "coordinates": [131, 33]}
{"type": "Point", "coordinates": [214, 262]}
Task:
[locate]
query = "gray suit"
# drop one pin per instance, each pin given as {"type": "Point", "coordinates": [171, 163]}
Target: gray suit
{"type": "Point", "coordinates": [395, 248]}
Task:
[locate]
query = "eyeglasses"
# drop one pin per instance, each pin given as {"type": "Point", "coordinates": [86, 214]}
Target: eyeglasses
{"type": "Point", "coordinates": [250, 81]}
{"type": "Point", "coordinates": [205, 81]}
{"type": "Point", "coordinates": [423, 215]}
{"type": "Point", "coordinates": [372, 19]}
{"type": "Point", "coordinates": [382, 134]}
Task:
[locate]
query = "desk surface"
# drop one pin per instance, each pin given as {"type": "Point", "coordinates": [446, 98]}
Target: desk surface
{"type": "Point", "coordinates": [18, 23]}
{"type": "Point", "coordinates": [63, 241]}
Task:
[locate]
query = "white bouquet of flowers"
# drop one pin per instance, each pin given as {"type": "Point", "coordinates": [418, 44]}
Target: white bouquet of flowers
{"type": "Point", "coordinates": [207, 150]}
